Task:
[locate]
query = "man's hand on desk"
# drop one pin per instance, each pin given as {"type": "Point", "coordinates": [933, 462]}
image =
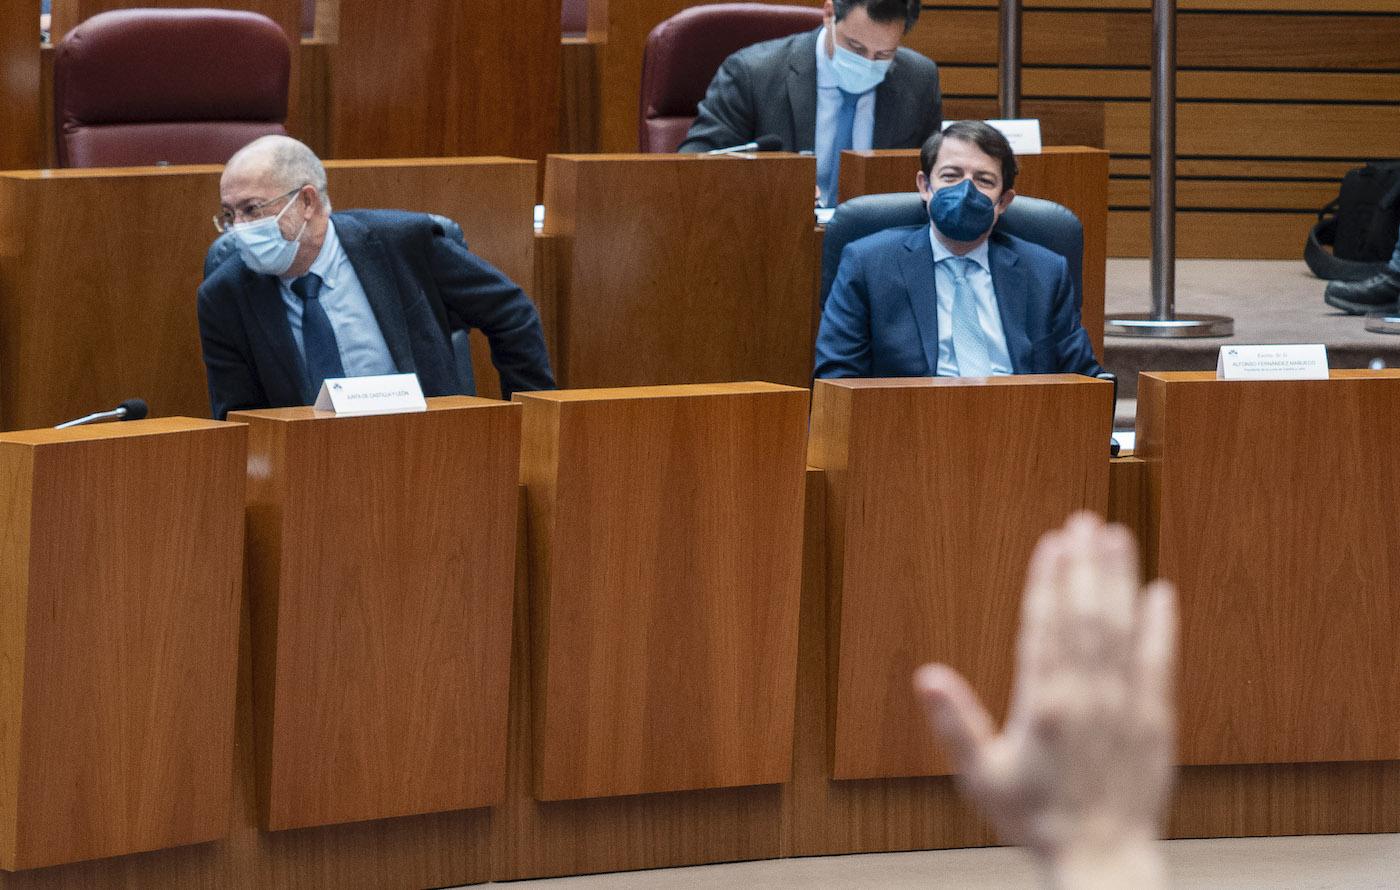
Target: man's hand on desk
{"type": "Point", "coordinates": [1081, 773]}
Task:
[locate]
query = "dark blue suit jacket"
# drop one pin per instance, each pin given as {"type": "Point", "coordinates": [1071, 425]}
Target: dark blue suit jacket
{"type": "Point", "coordinates": [881, 318]}
{"type": "Point", "coordinates": [421, 285]}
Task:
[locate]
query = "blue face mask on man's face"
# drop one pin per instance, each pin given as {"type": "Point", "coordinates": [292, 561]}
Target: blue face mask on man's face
{"type": "Point", "coordinates": [262, 245]}
{"type": "Point", "coordinates": [961, 212]}
{"type": "Point", "coordinates": [855, 73]}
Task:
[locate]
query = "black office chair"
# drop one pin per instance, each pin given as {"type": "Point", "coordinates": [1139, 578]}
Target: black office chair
{"type": "Point", "coordinates": [1036, 220]}
{"type": "Point", "coordinates": [223, 248]}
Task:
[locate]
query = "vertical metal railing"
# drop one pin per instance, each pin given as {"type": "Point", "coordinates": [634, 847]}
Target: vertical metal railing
{"type": "Point", "coordinates": [1009, 70]}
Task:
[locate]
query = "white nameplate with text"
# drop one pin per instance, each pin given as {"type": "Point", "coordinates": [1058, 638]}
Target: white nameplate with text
{"type": "Point", "coordinates": [380, 394]}
{"type": "Point", "coordinates": [1023, 134]}
{"type": "Point", "coordinates": [1283, 361]}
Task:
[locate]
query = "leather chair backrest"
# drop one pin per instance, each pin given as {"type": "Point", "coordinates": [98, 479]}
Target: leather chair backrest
{"type": "Point", "coordinates": [224, 247]}
{"type": "Point", "coordinates": [1042, 222]}
{"type": "Point", "coordinates": [179, 86]}
{"type": "Point", "coordinates": [683, 53]}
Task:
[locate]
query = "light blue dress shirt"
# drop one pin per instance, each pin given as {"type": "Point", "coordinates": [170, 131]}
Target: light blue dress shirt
{"type": "Point", "coordinates": [988, 313]}
{"type": "Point", "coordinates": [828, 107]}
{"type": "Point", "coordinates": [363, 351]}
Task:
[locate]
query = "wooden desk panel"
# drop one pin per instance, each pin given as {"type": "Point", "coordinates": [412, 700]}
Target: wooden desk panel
{"type": "Point", "coordinates": [1074, 176]}
{"type": "Point", "coordinates": [666, 535]}
{"type": "Point", "coordinates": [99, 268]}
{"type": "Point", "coordinates": [937, 491]}
{"type": "Point", "coordinates": [122, 561]}
{"type": "Point", "coordinates": [1274, 512]}
{"type": "Point", "coordinates": [382, 556]}
{"type": "Point", "coordinates": [21, 139]}
{"type": "Point", "coordinates": [673, 281]}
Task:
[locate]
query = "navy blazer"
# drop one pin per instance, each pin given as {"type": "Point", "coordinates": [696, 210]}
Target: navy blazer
{"type": "Point", "coordinates": [770, 89]}
{"type": "Point", "coordinates": [421, 285]}
{"type": "Point", "coordinates": [881, 318]}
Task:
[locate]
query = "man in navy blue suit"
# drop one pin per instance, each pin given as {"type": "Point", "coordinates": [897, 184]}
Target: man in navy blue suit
{"type": "Point", "coordinates": [312, 294]}
{"type": "Point", "coordinates": [954, 298]}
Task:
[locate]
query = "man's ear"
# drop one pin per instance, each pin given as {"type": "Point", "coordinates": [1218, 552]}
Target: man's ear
{"type": "Point", "coordinates": [1005, 200]}
{"type": "Point", "coordinates": [921, 183]}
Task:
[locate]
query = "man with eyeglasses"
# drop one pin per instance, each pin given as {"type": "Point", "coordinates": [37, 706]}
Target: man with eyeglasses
{"type": "Point", "coordinates": [847, 85]}
{"type": "Point", "coordinates": [311, 294]}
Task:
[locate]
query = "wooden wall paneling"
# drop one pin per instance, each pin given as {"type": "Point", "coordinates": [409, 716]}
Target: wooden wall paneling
{"type": "Point", "coordinates": [1242, 235]}
{"type": "Point", "coordinates": [67, 14]}
{"type": "Point", "coordinates": [447, 80]}
{"type": "Point", "coordinates": [313, 106]}
{"type": "Point", "coordinates": [841, 816]}
{"type": "Point", "coordinates": [963, 81]}
{"type": "Point", "coordinates": [1286, 799]}
{"type": "Point", "coordinates": [578, 95]}
{"type": "Point", "coordinates": [533, 838]}
{"type": "Point", "coordinates": [1074, 176]}
{"type": "Point", "coordinates": [1127, 497]}
{"type": "Point", "coordinates": [22, 136]}
{"type": "Point", "coordinates": [665, 621]}
{"type": "Point", "coordinates": [671, 279]}
{"type": "Point", "coordinates": [382, 550]}
{"type": "Point", "coordinates": [931, 520]}
{"type": "Point", "coordinates": [1385, 6]}
{"type": "Point", "coordinates": [121, 599]}
{"type": "Point", "coordinates": [1283, 560]}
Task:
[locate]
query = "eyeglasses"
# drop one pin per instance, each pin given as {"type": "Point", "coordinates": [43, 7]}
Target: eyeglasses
{"type": "Point", "coordinates": [227, 219]}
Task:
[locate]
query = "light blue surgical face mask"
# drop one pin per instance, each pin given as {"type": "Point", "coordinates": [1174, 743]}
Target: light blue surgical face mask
{"type": "Point", "coordinates": [961, 212]}
{"type": "Point", "coordinates": [262, 245]}
{"type": "Point", "coordinates": [854, 72]}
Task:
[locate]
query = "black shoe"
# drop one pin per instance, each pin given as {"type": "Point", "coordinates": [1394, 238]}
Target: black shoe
{"type": "Point", "coordinates": [1377, 293]}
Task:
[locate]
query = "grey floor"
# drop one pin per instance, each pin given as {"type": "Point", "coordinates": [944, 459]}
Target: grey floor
{"type": "Point", "coordinates": [1344, 862]}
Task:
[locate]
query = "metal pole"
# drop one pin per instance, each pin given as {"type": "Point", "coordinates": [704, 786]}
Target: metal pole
{"type": "Point", "coordinates": [1163, 208]}
{"type": "Point", "coordinates": [1162, 320]}
{"type": "Point", "coordinates": [1009, 71]}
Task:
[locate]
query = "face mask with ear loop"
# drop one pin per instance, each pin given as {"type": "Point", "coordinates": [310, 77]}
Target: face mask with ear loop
{"type": "Point", "coordinates": [263, 247]}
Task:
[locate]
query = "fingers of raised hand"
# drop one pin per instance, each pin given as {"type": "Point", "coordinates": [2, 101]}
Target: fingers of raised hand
{"type": "Point", "coordinates": [955, 714]}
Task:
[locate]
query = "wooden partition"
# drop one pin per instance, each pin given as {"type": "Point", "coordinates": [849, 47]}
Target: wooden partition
{"type": "Point", "coordinates": [21, 137]}
{"type": "Point", "coordinates": [666, 564]}
{"type": "Point", "coordinates": [931, 519]}
{"type": "Point", "coordinates": [99, 268]}
{"type": "Point", "coordinates": [122, 564]}
{"type": "Point", "coordinates": [381, 557]}
{"type": "Point", "coordinates": [1074, 176]}
{"type": "Point", "coordinates": [1274, 514]}
{"type": "Point", "coordinates": [682, 269]}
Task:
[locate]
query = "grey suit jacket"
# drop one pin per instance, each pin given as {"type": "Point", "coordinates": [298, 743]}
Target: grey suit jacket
{"type": "Point", "coordinates": [770, 89]}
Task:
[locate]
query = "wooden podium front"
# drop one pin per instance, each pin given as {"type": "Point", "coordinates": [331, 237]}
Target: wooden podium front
{"type": "Point", "coordinates": [120, 571]}
{"type": "Point", "coordinates": [665, 570]}
{"type": "Point", "coordinates": [1274, 507]}
{"type": "Point", "coordinates": [937, 491]}
{"type": "Point", "coordinates": [682, 268]}
{"type": "Point", "coordinates": [1074, 176]}
{"type": "Point", "coordinates": [381, 555]}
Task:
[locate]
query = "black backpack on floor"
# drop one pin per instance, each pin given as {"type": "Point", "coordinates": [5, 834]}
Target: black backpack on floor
{"type": "Point", "coordinates": [1361, 225]}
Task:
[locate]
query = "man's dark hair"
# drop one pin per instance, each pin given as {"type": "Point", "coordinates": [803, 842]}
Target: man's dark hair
{"type": "Point", "coordinates": [987, 138]}
{"type": "Point", "coordinates": [882, 10]}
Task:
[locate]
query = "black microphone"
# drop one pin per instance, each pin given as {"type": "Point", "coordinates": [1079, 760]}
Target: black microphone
{"type": "Point", "coordinates": [762, 143]}
{"type": "Point", "coordinates": [131, 409]}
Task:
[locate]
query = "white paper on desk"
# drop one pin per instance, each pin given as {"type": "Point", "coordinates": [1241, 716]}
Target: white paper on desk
{"type": "Point", "coordinates": [1022, 133]}
{"type": "Point", "coordinates": [1281, 361]}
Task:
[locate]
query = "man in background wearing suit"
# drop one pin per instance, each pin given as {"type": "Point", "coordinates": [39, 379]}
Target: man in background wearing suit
{"type": "Point", "coordinates": [954, 298]}
{"type": "Point", "coordinates": [847, 85]}
{"type": "Point", "coordinates": [312, 294]}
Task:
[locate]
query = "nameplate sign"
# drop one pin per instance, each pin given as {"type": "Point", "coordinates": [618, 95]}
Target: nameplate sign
{"type": "Point", "coordinates": [380, 394]}
{"type": "Point", "coordinates": [1291, 361]}
{"type": "Point", "coordinates": [1023, 134]}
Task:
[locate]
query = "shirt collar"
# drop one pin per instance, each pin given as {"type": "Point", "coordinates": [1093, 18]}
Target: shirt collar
{"type": "Point", "coordinates": [978, 254]}
{"type": "Point", "coordinates": [826, 78]}
{"type": "Point", "coordinates": [327, 262]}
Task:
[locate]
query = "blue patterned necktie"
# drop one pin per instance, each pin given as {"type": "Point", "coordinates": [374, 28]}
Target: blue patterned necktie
{"type": "Point", "coordinates": [318, 337]}
{"type": "Point", "coordinates": [970, 351]}
{"type": "Point", "coordinates": [843, 139]}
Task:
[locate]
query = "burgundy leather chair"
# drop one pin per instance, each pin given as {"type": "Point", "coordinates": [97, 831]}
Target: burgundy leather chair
{"type": "Point", "coordinates": [683, 53]}
{"type": "Point", "coordinates": [179, 86]}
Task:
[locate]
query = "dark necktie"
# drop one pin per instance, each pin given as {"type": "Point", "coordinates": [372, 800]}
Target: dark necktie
{"type": "Point", "coordinates": [844, 138]}
{"type": "Point", "coordinates": [318, 337]}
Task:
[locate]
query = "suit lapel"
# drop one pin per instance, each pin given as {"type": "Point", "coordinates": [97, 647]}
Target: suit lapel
{"type": "Point", "coordinates": [1009, 280]}
{"type": "Point", "coordinates": [373, 267]}
{"type": "Point", "coordinates": [802, 92]}
{"type": "Point", "coordinates": [270, 313]}
{"type": "Point", "coordinates": [916, 265]}
{"type": "Point", "coordinates": [892, 119]}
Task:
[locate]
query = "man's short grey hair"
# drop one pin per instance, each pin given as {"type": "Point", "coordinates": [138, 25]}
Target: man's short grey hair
{"type": "Point", "coordinates": [290, 162]}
